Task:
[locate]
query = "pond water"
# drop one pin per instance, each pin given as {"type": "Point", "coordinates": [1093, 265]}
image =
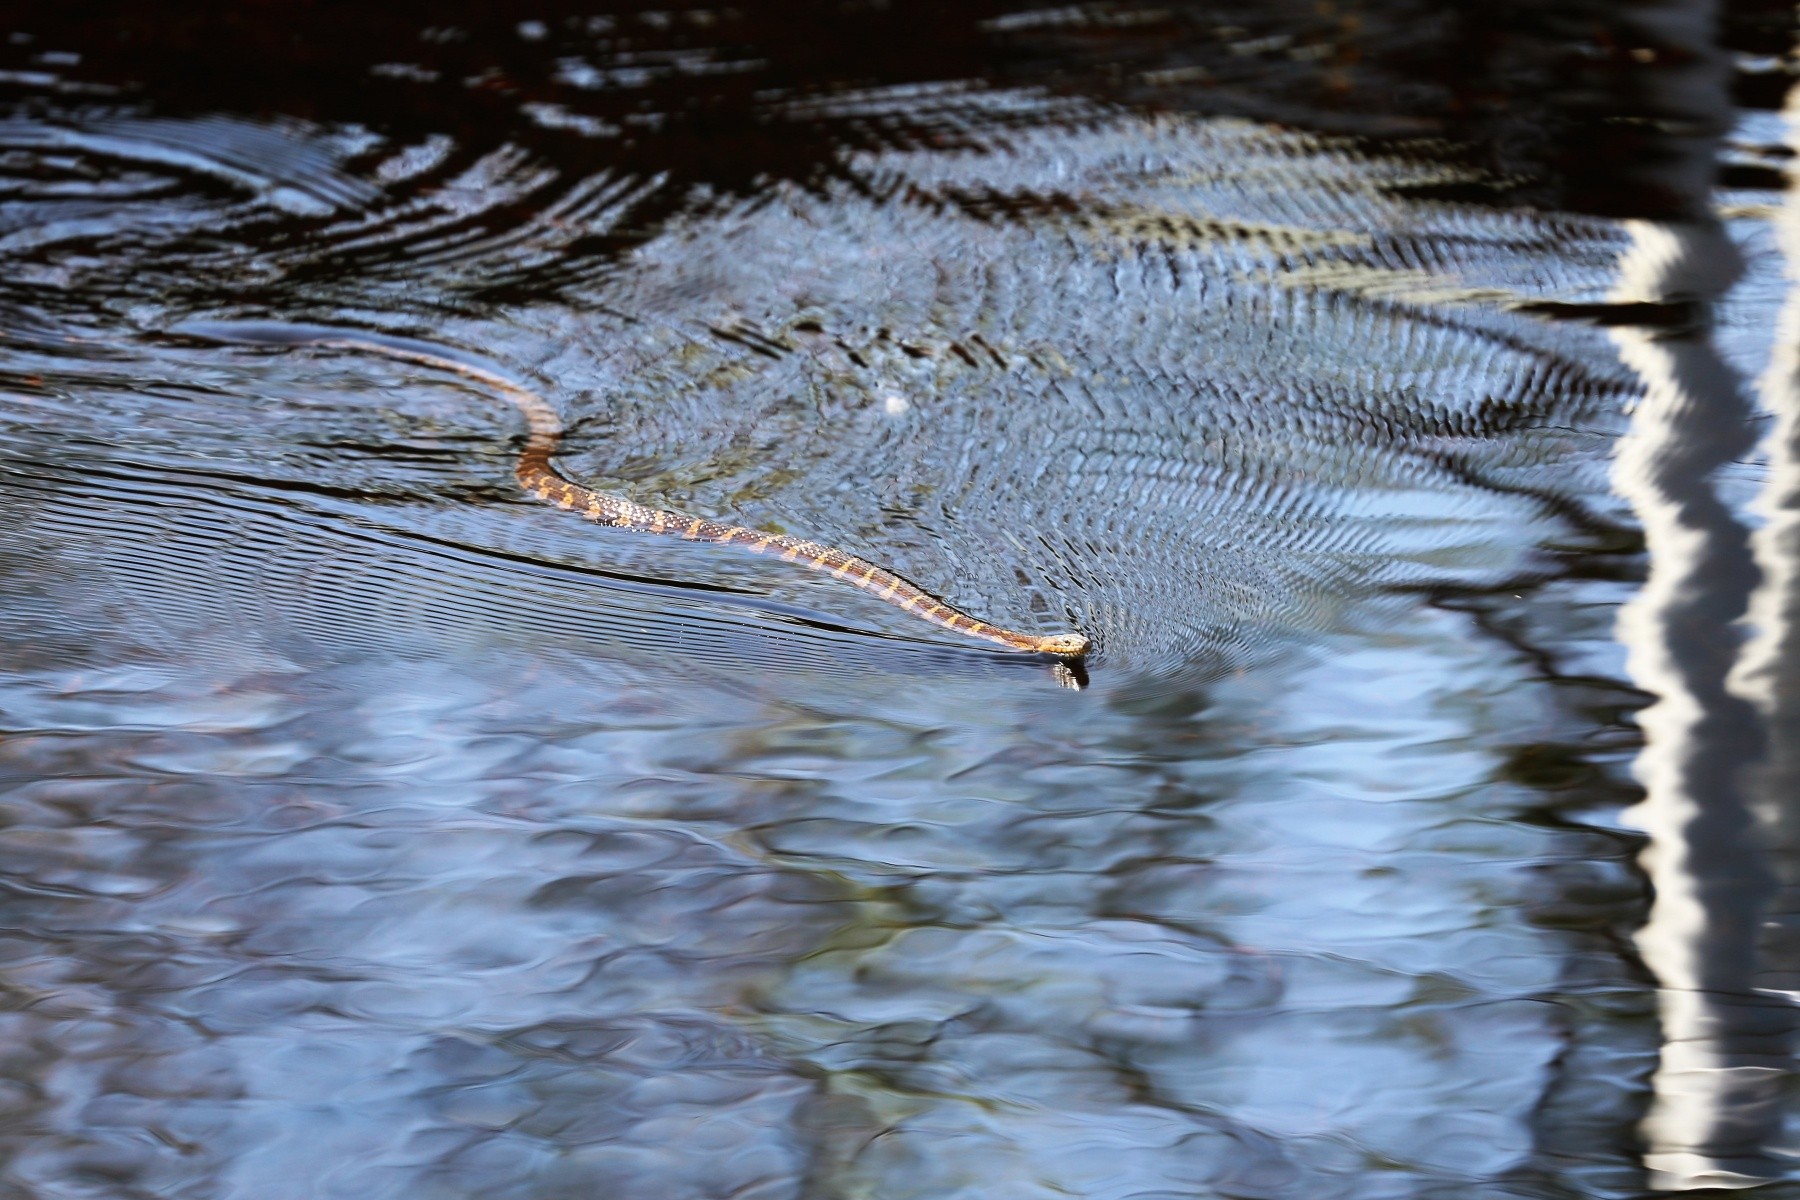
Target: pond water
{"type": "Point", "coordinates": [1405, 399]}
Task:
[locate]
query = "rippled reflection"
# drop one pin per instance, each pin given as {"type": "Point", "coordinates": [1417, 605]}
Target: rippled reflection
{"type": "Point", "coordinates": [1726, 1056]}
{"type": "Point", "coordinates": [371, 830]}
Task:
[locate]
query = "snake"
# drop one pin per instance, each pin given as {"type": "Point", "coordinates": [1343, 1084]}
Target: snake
{"type": "Point", "coordinates": [537, 473]}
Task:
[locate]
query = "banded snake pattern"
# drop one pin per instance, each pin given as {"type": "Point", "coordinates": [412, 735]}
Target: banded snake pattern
{"type": "Point", "coordinates": [537, 473]}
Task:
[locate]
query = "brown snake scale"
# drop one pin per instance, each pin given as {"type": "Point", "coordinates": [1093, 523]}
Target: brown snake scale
{"type": "Point", "coordinates": [537, 474]}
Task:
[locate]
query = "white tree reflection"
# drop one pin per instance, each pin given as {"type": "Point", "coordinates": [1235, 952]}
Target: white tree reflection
{"type": "Point", "coordinates": [1717, 1089]}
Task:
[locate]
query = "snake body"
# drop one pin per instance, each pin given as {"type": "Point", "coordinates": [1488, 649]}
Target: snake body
{"type": "Point", "coordinates": [537, 473]}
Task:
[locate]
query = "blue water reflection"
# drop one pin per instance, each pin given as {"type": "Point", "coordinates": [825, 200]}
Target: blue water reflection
{"type": "Point", "coordinates": [371, 830]}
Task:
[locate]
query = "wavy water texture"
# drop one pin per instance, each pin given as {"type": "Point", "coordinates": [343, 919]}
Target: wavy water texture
{"type": "Point", "coordinates": [372, 830]}
{"type": "Point", "coordinates": [1167, 400]}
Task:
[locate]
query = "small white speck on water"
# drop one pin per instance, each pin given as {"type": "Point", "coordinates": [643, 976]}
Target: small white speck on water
{"type": "Point", "coordinates": [895, 405]}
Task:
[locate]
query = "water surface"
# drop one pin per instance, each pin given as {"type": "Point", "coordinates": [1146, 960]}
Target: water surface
{"type": "Point", "coordinates": [370, 829]}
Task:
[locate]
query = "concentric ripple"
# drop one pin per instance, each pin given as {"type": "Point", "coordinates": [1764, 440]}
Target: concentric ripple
{"type": "Point", "coordinates": [372, 830]}
{"type": "Point", "coordinates": [1153, 392]}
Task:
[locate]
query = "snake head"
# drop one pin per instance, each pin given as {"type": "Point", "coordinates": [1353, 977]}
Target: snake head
{"type": "Point", "coordinates": [1065, 645]}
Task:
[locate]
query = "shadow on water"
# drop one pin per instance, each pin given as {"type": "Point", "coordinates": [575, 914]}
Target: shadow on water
{"type": "Point", "coordinates": [1366, 380]}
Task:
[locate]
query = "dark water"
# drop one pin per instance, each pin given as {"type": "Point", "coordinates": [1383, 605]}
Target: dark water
{"type": "Point", "coordinates": [1405, 398]}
